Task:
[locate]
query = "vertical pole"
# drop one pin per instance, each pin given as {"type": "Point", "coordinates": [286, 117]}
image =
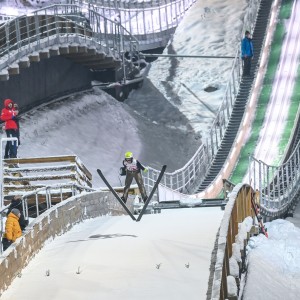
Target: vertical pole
{"type": "Point", "coordinates": [25, 201]}
{"type": "Point", "coordinates": [7, 42]}
{"type": "Point", "coordinates": [37, 205]}
{"type": "Point", "coordinates": [260, 185]}
{"type": "Point", "coordinates": [1, 174]}
{"type": "Point", "coordinates": [12, 139]}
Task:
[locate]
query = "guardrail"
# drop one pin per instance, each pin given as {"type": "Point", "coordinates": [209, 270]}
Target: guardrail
{"type": "Point", "coordinates": [60, 24]}
{"type": "Point", "coordinates": [278, 185]}
{"type": "Point", "coordinates": [36, 202]}
{"type": "Point", "coordinates": [186, 179]}
{"type": "Point", "coordinates": [148, 19]}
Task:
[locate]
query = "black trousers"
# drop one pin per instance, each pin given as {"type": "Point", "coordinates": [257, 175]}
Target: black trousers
{"type": "Point", "coordinates": [139, 180]}
{"type": "Point", "coordinates": [11, 146]}
{"type": "Point", "coordinates": [5, 243]}
{"type": "Point", "coordinates": [247, 65]}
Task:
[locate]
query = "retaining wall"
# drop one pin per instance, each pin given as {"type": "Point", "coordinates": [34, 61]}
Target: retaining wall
{"type": "Point", "coordinates": [44, 81]}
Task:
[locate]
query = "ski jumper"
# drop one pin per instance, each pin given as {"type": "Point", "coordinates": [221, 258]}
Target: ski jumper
{"type": "Point", "coordinates": [133, 170]}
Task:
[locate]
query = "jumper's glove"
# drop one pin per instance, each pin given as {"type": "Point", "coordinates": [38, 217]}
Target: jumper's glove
{"type": "Point", "coordinates": [145, 170]}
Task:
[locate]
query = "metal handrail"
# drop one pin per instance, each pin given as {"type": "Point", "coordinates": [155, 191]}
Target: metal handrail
{"type": "Point", "coordinates": [124, 4]}
{"type": "Point", "coordinates": [278, 185]}
{"type": "Point", "coordinates": [194, 171]}
{"type": "Point", "coordinates": [148, 19]}
{"type": "Point", "coordinates": [60, 24]}
{"type": "Point", "coordinates": [48, 192]}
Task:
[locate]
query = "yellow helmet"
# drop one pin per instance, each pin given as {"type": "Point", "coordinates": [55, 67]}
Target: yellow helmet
{"type": "Point", "coordinates": [128, 155]}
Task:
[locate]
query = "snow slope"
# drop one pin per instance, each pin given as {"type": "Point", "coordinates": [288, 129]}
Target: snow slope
{"type": "Point", "coordinates": [99, 130]}
{"type": "Point", "coordinates": [210, 28]}
{"type": "Point", "coordinates": [165, 256]}
{"type": "Point", "coordinates": [274, 264]}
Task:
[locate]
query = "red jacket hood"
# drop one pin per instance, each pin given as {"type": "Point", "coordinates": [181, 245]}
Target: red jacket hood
{"type": "Point", "coordinates": [6, 102]}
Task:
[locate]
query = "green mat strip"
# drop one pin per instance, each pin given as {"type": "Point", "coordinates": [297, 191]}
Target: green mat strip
{"type": "Point", "coordinates": [243, 163]}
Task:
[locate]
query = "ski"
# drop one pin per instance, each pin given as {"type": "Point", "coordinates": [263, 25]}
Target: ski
{"type": "Point", "coordinates": [116, 195]}
{"type": "Point", "coordinates": [152, 192]}
{"type": "Point", "coordinates": [258, 216]}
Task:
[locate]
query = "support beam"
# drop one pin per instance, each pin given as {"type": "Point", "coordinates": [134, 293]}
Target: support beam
{"type": "Point", "coordinates": [187, 56]}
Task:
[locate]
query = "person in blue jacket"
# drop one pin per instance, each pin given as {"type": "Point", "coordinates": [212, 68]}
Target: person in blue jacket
{"type": "Point", "coordinates": [247, 53]}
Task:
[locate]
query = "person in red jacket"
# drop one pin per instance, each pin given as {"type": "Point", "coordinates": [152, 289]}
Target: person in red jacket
{"type": "Point", "coordinates": [9, 116]}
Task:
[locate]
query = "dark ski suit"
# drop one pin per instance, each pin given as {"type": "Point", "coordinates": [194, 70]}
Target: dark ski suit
{"type": "Point", "coordinates": [133, 170]}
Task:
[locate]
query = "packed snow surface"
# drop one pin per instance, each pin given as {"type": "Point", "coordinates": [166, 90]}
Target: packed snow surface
{"type": "Point", "coordinates": [273, 264]}
{"type": "Point", "coordinates": [164, 256]}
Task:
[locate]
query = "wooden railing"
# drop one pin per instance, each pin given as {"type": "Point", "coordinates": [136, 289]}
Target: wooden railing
{"type": "Point", "coordinates": [237, 209]}
{"type": "Point", "coordinates": [23, 175]}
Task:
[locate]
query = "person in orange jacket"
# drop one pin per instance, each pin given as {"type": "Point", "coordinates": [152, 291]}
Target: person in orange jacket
{"type": "Point", "coordinates": [9, 116]}
{"type": "Point", "coordinates": [12, 228]}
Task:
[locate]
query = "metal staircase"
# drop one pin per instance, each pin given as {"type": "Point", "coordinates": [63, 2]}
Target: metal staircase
{"type": "Point", "coordinates": [242, 97]}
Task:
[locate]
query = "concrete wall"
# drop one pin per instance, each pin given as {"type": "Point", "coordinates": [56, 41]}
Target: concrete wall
{"type": "Point", "coordinates": [45, 80]}
{"type": "Point", "coordinates": [55, 221]}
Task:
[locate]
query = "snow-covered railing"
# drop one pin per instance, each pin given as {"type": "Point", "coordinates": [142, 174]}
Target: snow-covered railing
{"type": "Point", "coordinates": [22, 175]}
{"type": "Point", "coordinates": [62, 24]}
{"type": "Point", "coordinates": [38, 201]}
{"type": "Point", "coordinates": [184, 179]}
{"type": "Point", "coordinates": [278, 185]}
{"type": "Point", "coordinates": [229, 255]}
{"type": "Point", "coordinates": [220, 123]}
{"type": "Point", "coordinates": [190, 176]}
